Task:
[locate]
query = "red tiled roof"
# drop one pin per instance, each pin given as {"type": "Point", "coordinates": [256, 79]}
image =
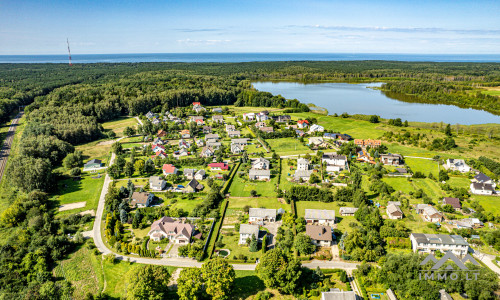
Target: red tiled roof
{"type": "Point", "coordinates": [302, 121]}
{"type": "Point", "coordinates": [223, 166]}
{"type": "Point", "coordinates": [168, 168]}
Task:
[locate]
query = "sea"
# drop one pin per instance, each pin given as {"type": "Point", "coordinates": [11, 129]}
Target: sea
{"type": "Point", "coordinates": [244, 57]}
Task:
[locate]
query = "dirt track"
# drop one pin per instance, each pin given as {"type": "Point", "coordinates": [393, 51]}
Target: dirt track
{"type": "Point", "coordinates": [4, 154]}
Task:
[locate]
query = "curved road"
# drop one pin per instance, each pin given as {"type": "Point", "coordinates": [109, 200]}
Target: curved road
{"type": "Point", "coordinates": [8, 143]}
{"type": "Point", "coordinates": [182, 262]}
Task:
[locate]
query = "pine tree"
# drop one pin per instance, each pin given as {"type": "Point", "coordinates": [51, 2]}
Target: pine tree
{"type": "Point", "coordinates": [253, 244]}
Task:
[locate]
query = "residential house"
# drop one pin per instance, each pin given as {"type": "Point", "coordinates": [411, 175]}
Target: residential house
{"type": "Point", "coordinates": [316, 128]}
{"type": "Point", "coordinates": [214, 144]}
{"type": "Point", "coordinates": [141, 199]}
{"type": "Point", "coordinates": [157, 148]}
{"type": "Point", "coordinates": [230, 128]}
{"type": "Point", "coordinates": [302, 124]}
{"type": "Point", "coordinates": [156, 183]}
{"type": "Point", "coordinates": [158, 141]}
{"type": "Point", "coordinates": [200, 175]}
{"type": "Point", "coordinates": [334, 162]}
{"type": "Point", "coordinates": [247, 231]}
{"type": "Point", "coordinates": [218, 119]}
{"type": "Point", "coordinates": [364, 156]}
{"type": "Point", "coordinates": [320, 216]}
{"type": "Point", "coordinates": [155, 121]}
{"type": "Point", "coordinates": [430, 243]}
{"type": "Point", "coordinates": [185, 134]}
{"type": "Point", "coordinates": [233, 134]}
{"type": "Point", "coordinates": [320, 235]}
{"type": "Point", "coordinates": [218, 166]}
{"type": "Point", "coordinates": [267, 129]}
{"type": "Point", "coordinates": [207, 129]}
{"type": "Point", "coordinates": [316, 140]}
{"type": "Point", "coordinates": [482, 188]}
{"type": "Point", "coordinates": [249, 117]}
{"type": "Point", "coordinates": [474, 222]}
{"type": "Point", "coordinates": [455, 202]}
{"type": "Point", "coordinates": [482, 178]}
{"type": "Point", "coordinates": [368, 142]}
{"type": "Point", "coordinates": [338, 295]}
{"type": "Point", "coordinates": [176, 231]}
{"type": "Point", "coordinates": [193, 186]}
{"type": "Point", "coordinates": [394, 211]}
{"type": "Point", "coordinates": [261, 164]}
{"type": "Point", "coordinates": [236, 148]}
{"type": "Point", "coordinates": [254, 174]}
{"type": "Point", "coordinates": [348, 211]}
{"type": "Point", "coordinates": [195, 104]}
{"type": "Point", "coordinates": [217, 110]}
{"type": "Point", "coordinates": [303, 174]}
{"type": "Point", "coordinates": [299, 133]}
{"type": "Point", "coordinates": [151, 115]}
{"type": "Point", "coordinates": [260, 124]}
{"type": "Point", "coordinates": [211, 136]}
{"type": "Point", "coordinates": [207, 151]}
{"type": "Point", "coordinates": [200, 143]}
{"type": "Point", "coordinates": [93, 164]}
{"type": "Point", "coordinates": [169, 169]}
{"type": "Point", "coordinates": [242, 141]}
{"type": "Point", "coordinates": [429, 213]}
{"type": "Point", "coordinates": [262, 117]}
{"type": "Point", "coordinates": [181, 152]}
{"type": "Point", "coordinates": [330, 136]}
{"type": "Point", "coordinates": [161, 154]}
{"type": "Point", "coordinates": [184, 144]}
{"type": "Point", "coordinates": [302, 164]}
{"type": "Point", "coordinates": [282, 118]}
{"type": "Point", "coordinates": [391, 159]}
{"type": "Point", "coordinates": [196, 119]}
{"type": "Point", "coordinates": [199, 109]}
{"type": "Point", "coordinates": [457, 165]}
{"type": "Point", "coordinates": [345, 137]}
{"type": "Point", "coordinates": [189, 173]}
{"type": "Point", "coordinates": [260, 215]}
{"type": "Point", "coordinates": [161, 133]}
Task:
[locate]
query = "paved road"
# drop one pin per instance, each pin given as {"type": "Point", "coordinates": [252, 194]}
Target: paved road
{"type": "Point", "coordinates": [487, 260]}
{"type": "Point", "coordinates": [4, 155]}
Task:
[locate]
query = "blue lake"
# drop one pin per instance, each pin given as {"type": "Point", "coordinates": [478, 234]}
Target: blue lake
{"type": "Point", "coordinates": [362, 99]}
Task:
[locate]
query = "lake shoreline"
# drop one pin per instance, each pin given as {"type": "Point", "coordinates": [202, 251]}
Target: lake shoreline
{"type": "Point", "coordinates": [403, 106]}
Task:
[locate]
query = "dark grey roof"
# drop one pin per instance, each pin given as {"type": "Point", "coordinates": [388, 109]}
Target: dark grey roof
{"type": "Point", "coordinates": [482, 177]}
{"type": "Point", "coordinates": [94, 161]}
{"type": "Point", "coordinates": [444, 239]}
{"type": "Point", "coordinates": [482, 186]}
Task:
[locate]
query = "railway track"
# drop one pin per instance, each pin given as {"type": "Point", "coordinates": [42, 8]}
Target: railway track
{"type": "Point", "coordinates": [7, 144]}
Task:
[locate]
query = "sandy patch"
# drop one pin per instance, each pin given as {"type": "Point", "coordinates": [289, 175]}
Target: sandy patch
{"type": "Point", "coordinates": [88, 212]}
{"type": "Point", "coordinates": [72, 206]}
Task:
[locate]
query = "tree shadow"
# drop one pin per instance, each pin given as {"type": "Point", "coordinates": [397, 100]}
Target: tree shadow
{"type": "Point", "coordinates": [247, 286]}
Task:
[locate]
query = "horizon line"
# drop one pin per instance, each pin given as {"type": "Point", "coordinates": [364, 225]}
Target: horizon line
{"type": "Point", "coordinates": [274, 52]}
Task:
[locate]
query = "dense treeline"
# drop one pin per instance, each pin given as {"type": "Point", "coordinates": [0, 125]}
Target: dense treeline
{"type": "Point", "coordinates": [436, 92]}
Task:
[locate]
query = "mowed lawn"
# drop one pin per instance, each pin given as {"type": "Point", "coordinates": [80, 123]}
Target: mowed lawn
{"type": "Point", "coordinates": [96, 150]}
{"type": "Point", "coordinates": [86, 189]}
{"type": "Point", "coordinates": [357, 128]}
{"type": "Point", "coordinates": [459, 182]}
{"type": "Point", "coordinates": [424, 166]}
{"type": "Point", "coordinates": [118, 125]}
{"type": "Point", "coordinates": [265, 202]}
{"type": "Point", "coordinates": [288, 146]}
{"type": "Point", "coordinates": [301, 206]}
{"type": "Point", "coordinates": [399, 184]}
{"type": "Point", "coordinates": [241, 187]}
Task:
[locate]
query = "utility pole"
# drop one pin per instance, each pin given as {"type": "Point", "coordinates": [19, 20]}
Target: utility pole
{"type": "Point", "coordinates": [69, 52]}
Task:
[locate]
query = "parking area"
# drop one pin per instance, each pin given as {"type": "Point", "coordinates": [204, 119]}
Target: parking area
{"type": "Point", "coordinates": [272, 227]}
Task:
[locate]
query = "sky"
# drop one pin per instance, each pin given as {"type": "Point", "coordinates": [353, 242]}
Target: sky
{"type": "Point", "coordinates": [310, 26]}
